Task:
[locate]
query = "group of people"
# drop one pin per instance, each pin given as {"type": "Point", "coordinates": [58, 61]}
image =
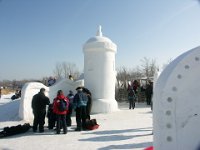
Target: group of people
{"type": "Point", "coordinates": [133, 92]}
{"type": "Point", "coordinates": [60, 111]}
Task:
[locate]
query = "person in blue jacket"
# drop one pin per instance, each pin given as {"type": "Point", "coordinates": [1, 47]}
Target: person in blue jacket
{"type": "Point", "coordinates": [79, 104]}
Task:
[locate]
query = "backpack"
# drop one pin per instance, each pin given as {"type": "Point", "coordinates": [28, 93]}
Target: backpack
{"type": "Point", "coordinates": [62, 105]}
{"type": "Point", "coordinates": [131, 94]}
{"type": "Point", "coordinates": [91, 124]}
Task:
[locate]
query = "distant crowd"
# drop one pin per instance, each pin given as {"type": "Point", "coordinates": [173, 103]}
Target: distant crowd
{"type": "Point", "coordinates": [135, 92]}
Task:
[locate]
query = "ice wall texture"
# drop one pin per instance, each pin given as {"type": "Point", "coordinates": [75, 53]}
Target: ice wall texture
{"type": "Point", "coordinates": [32, 88]}
{"type": "Point", "coordinates": [176, 110]}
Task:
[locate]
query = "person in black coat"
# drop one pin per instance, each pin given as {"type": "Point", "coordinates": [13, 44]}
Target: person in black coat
{"type": "Point", "coordinates": [149, 92]}
{"type": "Point", "coordinates": [89, 102]}
{"type": "Point", "coordinates": [70, 96]}
{"type": "Point", "coordinates": [39, 103]}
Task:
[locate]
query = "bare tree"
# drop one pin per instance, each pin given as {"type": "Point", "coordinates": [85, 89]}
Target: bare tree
{"type": "Point", "coordinates": [70, 69]}
{"type": "Point", "coordinates": [152, 68]}
{"type": "Point", "coordinates": [149, 67]}
{"type": "Point", "coordinates": [14, 84]}
{"type": "Point", "coordinates": [123, 76]}
{"type": "Point", "coordinates": [58, 70]}
{"type": "Point", "coordinates": [136, 73]}
{"type": "Point", "coordinates": [65, 69]}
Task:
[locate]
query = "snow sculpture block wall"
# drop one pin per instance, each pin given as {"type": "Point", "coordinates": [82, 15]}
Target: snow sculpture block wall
{"type": "Point", "coordinates": [32, 88]}
{"type": "Point", "coordinates": [176, 111]}
{"type": "Point", "coordinates": [99, 72]}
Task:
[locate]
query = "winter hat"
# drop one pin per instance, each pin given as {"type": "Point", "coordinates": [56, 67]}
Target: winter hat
{"type": "Point", "coordinates": [42, 90]}
{"type": "Point", "coordinates": [79, 88]}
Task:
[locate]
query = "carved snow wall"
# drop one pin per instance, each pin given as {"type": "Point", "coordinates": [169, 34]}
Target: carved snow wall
{"type": "Point", "coordinates": [176, 100]}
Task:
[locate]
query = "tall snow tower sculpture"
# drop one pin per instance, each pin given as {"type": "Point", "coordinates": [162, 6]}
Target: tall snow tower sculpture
{"type": "Point", "coordinates": [99, 72]}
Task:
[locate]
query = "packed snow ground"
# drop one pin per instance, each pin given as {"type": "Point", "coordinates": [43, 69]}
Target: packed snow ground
{"type": "Point", "coordinates": [124, 129]}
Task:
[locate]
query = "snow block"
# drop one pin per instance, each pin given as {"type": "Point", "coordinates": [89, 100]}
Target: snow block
{"type": "Point", "coordinates": [176, 113]}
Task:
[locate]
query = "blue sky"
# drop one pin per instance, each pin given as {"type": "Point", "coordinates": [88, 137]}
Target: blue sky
{"type": "Point", "coordinates": [37, 34]}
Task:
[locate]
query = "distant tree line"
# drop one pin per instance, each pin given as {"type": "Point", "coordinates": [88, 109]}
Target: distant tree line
{"type": "Point", "coordinates": [13, 84]}
{"type": "Point", "coordinates": [61, 70]}
{"type": "Point", "coordinates": [146, 69]}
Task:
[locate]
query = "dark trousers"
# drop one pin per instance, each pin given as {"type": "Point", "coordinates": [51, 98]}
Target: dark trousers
{"type": "Point", "coordinates": [148, 97]}
{"type": "Point", "coordinates": [51, 120]}
{"type": "Point", "coordinates": [39, 117]}
{"type": "Point", "coordinates": [81, 117]}
{"type": "Point", "coordinates": [88, 110]}
{"type": "Point", "coordinates": [68, 116]}
{"type": "Point", "coordinates": [88, 107]}
{"type": "Point", "coordinates": [61, 121]}
{"type": "Point", "coordinates": [131, 103]}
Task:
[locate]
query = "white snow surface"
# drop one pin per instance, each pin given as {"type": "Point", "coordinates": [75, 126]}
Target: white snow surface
{"type": "Point", "coordinates": [123, 129]}
{"type": "Point", "coordinates": [99, 63]}
{"type": "Point", "coordinates": [176, 104]}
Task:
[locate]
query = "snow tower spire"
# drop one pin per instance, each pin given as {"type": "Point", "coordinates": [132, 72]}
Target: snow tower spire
{"type": "Point", "coordinates": [99, 33]}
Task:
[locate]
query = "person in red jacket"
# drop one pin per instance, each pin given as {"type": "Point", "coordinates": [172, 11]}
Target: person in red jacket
{"type": "Point", "coordinates": [60, 108]}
